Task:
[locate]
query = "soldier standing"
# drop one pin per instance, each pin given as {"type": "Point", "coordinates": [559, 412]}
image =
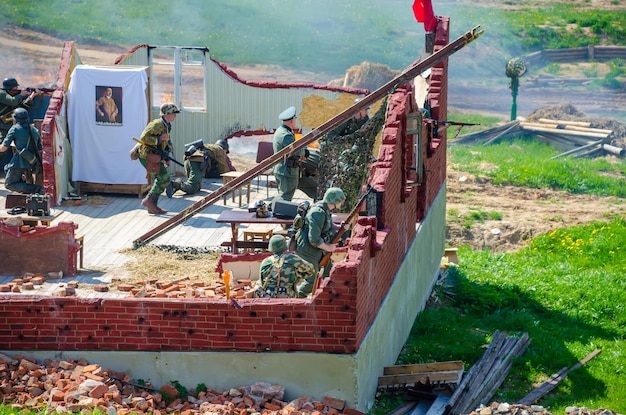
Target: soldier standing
{"type": "Point", "coordinates": [11, 98]}
{"type": "Point", "coordinates": [27, 158]}
{"type": "Point", "coordinates": [287, 172]}
{"type": "Point", "coordinates": [157, 135]}
{"type": "Point", "coordinates": [282, 272]}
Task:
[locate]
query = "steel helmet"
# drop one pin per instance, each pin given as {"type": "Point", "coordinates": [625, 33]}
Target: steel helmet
{"type": "Point", "coordinates": [169, 108]}
{"type": "Point", "coordinates": [334, 196]}
{"type": "Point", "coordinates": [20, 115]}
{"type": "Point", "coordinates": [9, 83]}
{"type": "Point", "coordinates": [277, 244]}
{"type": "Point", "coordinates": [224, 145]}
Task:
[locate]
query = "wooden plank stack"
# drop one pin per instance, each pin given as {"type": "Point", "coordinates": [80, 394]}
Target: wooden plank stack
{"type": "Point", "coordinates": [485, 377]}
{"type": "Point", "coordinates": [574, 137]}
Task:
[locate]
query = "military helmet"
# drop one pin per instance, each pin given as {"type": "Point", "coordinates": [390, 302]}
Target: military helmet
{"type": "Point", "coordinates": [224, 145]}
{"type": "Point", "coordinates": [261, 209]}
{"type": "Point", "coordinates": [9, 83]}
{"type": "Point", "coordinates": [20, 115]}
{"type": "Point", "coordinates": [169, 108]}
{"type": "Point", "coordinates": [334, 196]}
{"type": "Point", "coordinates": [277, 244]}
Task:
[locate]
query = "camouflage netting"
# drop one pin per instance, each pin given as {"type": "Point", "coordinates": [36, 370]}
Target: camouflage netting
{"type": "Point", "coordinates": [567, 112]}
{"type": "Point", "coordinates": [345, 160]}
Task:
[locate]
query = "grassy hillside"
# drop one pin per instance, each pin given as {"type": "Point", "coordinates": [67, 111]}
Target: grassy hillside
{"type": "Point", "coordinates": [323, 36]}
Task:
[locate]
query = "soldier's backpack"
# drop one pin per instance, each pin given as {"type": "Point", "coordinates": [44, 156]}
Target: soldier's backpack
{"type": "Point", "coordinates": [297, 224]}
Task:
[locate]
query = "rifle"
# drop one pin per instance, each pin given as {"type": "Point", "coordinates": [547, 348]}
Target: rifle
{"type": "Point", "coordinates": [44, 90]}
{"type": "Point", "coordinates": [159, 152]}
{"type": "Point", "coordinates": [342, 229]}
{"type": "Point", "coordinates": [445, 124]}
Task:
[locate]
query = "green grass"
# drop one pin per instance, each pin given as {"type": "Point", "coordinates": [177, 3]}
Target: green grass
{"type": "Point", "coordinates": [566, 290]}
{"type": "Point", "coordinates": [318, 35]}
{"type": "Point", "coordinates": [527, 163]}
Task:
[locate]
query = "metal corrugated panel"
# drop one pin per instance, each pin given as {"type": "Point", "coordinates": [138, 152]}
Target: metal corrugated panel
{"type": "Point", "coordinates": [233, 106]}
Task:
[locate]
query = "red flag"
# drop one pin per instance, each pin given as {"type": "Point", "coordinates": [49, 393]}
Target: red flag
{"type": "Point", "coordinates": [418, 10]}
{"type": "Point", "coordinates": [423, 11]}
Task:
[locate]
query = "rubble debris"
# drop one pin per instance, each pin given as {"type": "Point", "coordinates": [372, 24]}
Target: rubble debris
{"type": "Point", "coordinates": [76, 386]}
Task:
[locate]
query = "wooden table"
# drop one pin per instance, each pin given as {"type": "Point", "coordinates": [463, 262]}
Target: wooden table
{"type": "Point", "coordinates": [27, 219]}
{"type": "Point", "coordinates": [237, 217]}
{"type": "Point", "coordinates": [230, 176]}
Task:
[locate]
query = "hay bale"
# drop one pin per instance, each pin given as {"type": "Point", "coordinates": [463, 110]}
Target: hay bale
{"type": "Point", "coordinates": [367, 75]}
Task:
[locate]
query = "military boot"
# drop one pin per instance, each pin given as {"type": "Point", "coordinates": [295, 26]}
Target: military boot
{"type": "Point", "coordinates": [174, 186]}
{"type": "Point", "coordinates": [149, 203]}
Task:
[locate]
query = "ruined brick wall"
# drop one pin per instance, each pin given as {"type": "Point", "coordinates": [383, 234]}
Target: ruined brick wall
{"type": "Point", "coordinates": [335, 320]}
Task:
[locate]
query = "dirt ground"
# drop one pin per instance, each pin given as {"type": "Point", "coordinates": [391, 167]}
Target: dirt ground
{"type": "Point", "coordinates": [525, 212]}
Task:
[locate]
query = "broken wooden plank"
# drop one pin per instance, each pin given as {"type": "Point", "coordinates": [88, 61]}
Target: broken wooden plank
{"type": "Point", "coordinates": [554, 380]}
{"type": "Point", "coordinates": [444, 376]}
{"type": "Point", "coordinates": [423, 367]}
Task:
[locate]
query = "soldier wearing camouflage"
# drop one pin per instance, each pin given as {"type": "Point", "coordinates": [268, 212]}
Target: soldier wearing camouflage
{"type": "Point", "coordinates": [282, 272]}
{"type": "Point", "coordinates": [157, 134]}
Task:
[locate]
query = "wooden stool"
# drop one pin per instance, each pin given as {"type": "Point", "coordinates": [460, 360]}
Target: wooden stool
{"type": "Point", "coordinates": [259, 235]}
{"type": "Point", "coordinates": [231, 175]}
{"type": "Point", "coordinates": [81, 242]}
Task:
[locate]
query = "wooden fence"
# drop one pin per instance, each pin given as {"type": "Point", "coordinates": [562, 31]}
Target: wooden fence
{"type": "Point", "coordinates": [589, 53]}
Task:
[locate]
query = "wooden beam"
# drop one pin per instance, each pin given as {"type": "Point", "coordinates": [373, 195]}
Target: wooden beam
{"type": "Point", "coordinates": [554, 380]}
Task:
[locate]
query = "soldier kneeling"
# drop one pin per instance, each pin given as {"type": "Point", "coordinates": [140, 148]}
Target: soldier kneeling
{"type": "Point", "coordinates": [280, 273]}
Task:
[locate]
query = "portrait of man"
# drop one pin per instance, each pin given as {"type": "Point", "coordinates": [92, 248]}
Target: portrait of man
{"type": "Point", "coordinates": [108, 105]}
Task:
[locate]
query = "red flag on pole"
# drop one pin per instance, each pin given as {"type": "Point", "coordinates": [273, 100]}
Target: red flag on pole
{"type": "Point", "coordinates": [423, 11]}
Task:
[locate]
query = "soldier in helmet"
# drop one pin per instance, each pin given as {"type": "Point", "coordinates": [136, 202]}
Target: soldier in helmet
{"type": "Point", "coordinates": [26, 159]}
{"type": "Point", "coordinates": [287, 171]}
{"type": "Point", "coordinates": [313, 238]}
{"type": "Point", "coordinates": [282, 272]}
{"type": "Point", "coordinates": [201, 160]}
{"type": "Point", "coordinates": [10, 98]}
{"type": "Point", "coordinates": [157, 134]}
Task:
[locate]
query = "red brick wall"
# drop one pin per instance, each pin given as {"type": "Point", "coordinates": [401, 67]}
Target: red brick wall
{"type": "Point", "coordinates": [336, 320]}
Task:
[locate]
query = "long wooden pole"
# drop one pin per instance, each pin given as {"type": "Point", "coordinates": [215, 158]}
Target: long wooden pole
{"type": "Point", "coordinates": [408, 74]}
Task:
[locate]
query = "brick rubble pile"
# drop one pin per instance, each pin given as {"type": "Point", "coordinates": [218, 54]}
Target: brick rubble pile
{"type": "Point", "coordinates": [496, 408]}
{"type": "Point", "coordinates": [77, 386]}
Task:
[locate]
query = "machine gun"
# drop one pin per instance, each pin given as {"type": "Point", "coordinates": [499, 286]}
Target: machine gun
{"type": "Point", "coordinates": [160, 152]}
{"type": "Point", "coordinates": [435, 125]}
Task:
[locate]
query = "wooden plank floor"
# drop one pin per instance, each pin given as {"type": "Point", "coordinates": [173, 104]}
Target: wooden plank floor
{"type": "Point", "coordinates": [110, 223]}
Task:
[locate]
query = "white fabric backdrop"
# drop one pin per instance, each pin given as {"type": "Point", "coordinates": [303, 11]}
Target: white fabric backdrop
{"type": "Point", "coordinates": [100, 152]}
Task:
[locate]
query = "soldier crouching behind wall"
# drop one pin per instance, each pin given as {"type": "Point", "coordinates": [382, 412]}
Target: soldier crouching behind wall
{"type": "Point", "coordinates": [202, 160]}
{"type": "Point", "coordinates": [282, 272]}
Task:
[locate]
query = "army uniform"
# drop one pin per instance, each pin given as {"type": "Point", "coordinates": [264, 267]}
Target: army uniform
{"type": "Point", "coordinates": [23, 136]}
{"type": "Point", "coordinates": [308, 180]}
{"type": "Point", "coordinates": [200, 164]}
{"type": "Point", "coordinates": [287, 171]}
{"type": "Point", "coordinates": [151, 136]}
{"type": "Point", "coordinates": [282, 272]}
{"type": "Point", "coordinates": [8, 103]}
{"type": "Point", "coordinates": [317, 229]}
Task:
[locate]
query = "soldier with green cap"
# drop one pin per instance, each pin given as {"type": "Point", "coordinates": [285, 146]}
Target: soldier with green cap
{"type": "Point", "coordinates": [287, 171]}
{"type": "Point", "coordinates": [157, 135]}
{"type": "Point", "coordinates": [313, 239]}
{"type": "Point", "coordinates": [282, 272]}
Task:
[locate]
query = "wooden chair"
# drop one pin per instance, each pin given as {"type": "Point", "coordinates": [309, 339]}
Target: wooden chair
{"type": "Point", "coordinates": [264, 150]}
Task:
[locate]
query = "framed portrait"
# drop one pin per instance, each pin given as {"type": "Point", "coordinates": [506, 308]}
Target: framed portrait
{"type": "Point", "coordinates": [109, 105]}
